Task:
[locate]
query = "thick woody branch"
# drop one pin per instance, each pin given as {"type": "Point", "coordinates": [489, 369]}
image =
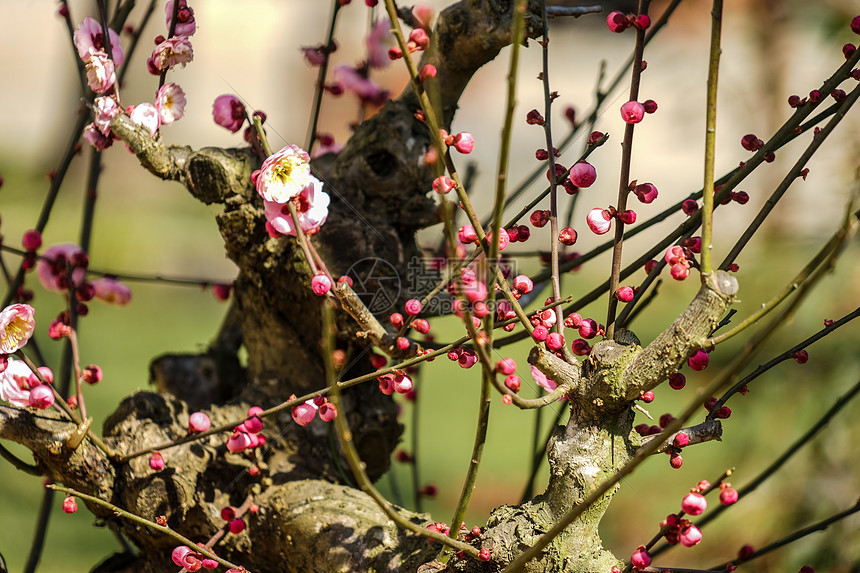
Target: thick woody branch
{"type": "Point", "coordinates": [211, 174]}
{"type": "Point", "coordinates": [468, 35]}
{"type": "Point", "coordinates": [685, 335]}
{"type": "Point", "coordinates": [705, 432]}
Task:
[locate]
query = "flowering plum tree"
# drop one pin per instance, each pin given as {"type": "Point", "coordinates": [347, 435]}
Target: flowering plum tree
{"type": "Point", "coordinates": [268, 464]}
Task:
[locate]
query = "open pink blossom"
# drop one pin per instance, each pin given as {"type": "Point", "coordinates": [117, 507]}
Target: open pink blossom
{"type": "Point", "coordinates": [16, 327]}
{"type": "Point", "coordinates": [229, 112]}
{"type": "Point", "coordinates": [312, 209]}
{"type": "Point", "coordinates": [101, 72]}
{"type": "Point", "coordinates": [146, 115]}
{"type": "Point", "coordinates": [542, 380]}
{"type": "Point", "coordinates": [112, 291]}
{"type": "Point", "coordinates": [52, 268]}
{"type": "Point", "coordinates": [169, 53]}
{"type": "Point", "coordinates": [366, 90]}
{"type": "Point", "coordinates": [170, 103]}
{"type": "Point", "coordinates": [14, 383]}
{"type": "Point", "coordinates": [377, 45]}
{"type": "Point", "coordinates": [284, 174]}
{"type": "Point", "coordinates": [89, 36]}
{"type": "Point", "coordinates": [106, 109]}
{"type": "Point", "coordinates": [185, 23]}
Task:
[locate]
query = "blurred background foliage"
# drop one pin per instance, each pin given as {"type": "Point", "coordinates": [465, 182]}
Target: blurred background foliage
{"type": "Point", "coordinates": [771, 49]}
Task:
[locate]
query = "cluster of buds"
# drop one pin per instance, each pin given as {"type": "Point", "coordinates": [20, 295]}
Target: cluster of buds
{"type": "Point", "coordinates": [462, 142]}
{"type": "Point", "coordinates": [418, 41]}
{"type": "Point", "coordinates": [247, 434]}
{"type": "Point", "coordinates": [618, 22]}
{"type": "Point", "coordinates": [465, 357]}
{"type": "Point", "coordinates": [396, 382]}
{"type": "Point", "coordinates": [600, 220]}
{"type": "Point", "coordinates": [304, 413]}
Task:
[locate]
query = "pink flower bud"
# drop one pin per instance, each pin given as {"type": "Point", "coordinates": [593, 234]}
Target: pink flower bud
{"type": "Point", "coordinates": [253, 424]}
{"type": "Point", "coordinates": [506, 366]}
{"type": "Point", "coordinates": [694, 503]}
{"type": "Point", "coordinates": [642, 22]}
{"type": "Point", "coordinates": [588, 328]}
{"type": "Point", "coordinates": [156, 461]}
{"type": "Point", "coordinates": [198, 422]}
{"type": "Point", "coordinates": [632, 112]}
{"type": "Point", "coordinates": [647, 397]}
{"type": "Point", "coordinates": [690, 536]}
{"type": "Point", "coordinates": [396, 319]}
{"type": "Point", "coordinates": [92, 374]}
{"type": "Point", "coordinates": [229, 112]}
{"type": "Point", "coordinates": [617, 23]}
{"type": "Point", "coordinates": [31, 240]}
{"type": "Point", "coordinates": [443, 184]}
{"type": "Point", "coordinates": [419, 37]}
{"type": "Point", "coordinates": [70, 505]}
{"type": "Point", "coordinates": [464, 142]}
{"type": "Point", "coordinates": [320, 284]}
{"type": "Point", "coordinates": [640, 558]}
{"type": "Point", "coordinates": [467, 359]}
{"type": "Point", "coordinates": [689, 207]}
{"type": "Point", "coordinates": [567, 236]}
{"type": "Point", "coordinates": [580, 347]}
{"type": "Point", "coordinates": [467, 235]}
{"type": "Point", "coordinates": [554, 341]}
{"type": "Point", "coordinates": [677, 381]}
{"type": "Point", "coordinates": [646, 192]}
{"type": "Point", "coordinates": [477, 291]}
{"type": "Point", "coordinates": [328, 412]}
{"type": "Point", "coordinates": [855, 25]}
{"type": "Point", "coordinates": [676, 461]}
{"type": "Point", "coordinates": [625, 294]}
{"type": "Point", "coordinates": [237, 526]}
{"type": "Point", "coordinates": [512, 382]}
{"type": "Point", "coordinates": [649, 105]}
{"type": "Point", "coordinates": [599, 221]}
{"type": "Point", "coordinates": [627, 217]}
{"type": "Point", "coordinates": [413, 307]}
{"type": "Point", "coordinates": [540, 333]}
{"type": "Point", "coordinates": [523, 284]}
{"type": "Point", "coordinates": [699, 360]}
{"type": "Point", "coordinates": [402, 342]}
{"type": "Point", "coordinates": [210, 563]}
{"type": "Point", "coordinates": [534, 118]}
{"type": "Point", "coordinates": [426, 72]}
{"type": "Point", "coordinates": [402, 383]}
{"type": "Point", "coordinates": [303, 414]}
{"type": "Point", "coordinates": [41, 397]}
{"type": "Point", "coordinates": [801, 356]}
{"type": "Point", "coordinates": [583, 174]}
{"type": "Point", "coordinates": [728, 496]}
{"type": "Point", "coordinates": [680, 271]}
{"type": "Point", "coordinates": [421, 325]}
{"type": "Point", "coordinates": [539, 218]}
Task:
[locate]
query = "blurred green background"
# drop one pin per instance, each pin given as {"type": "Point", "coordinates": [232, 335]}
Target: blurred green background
{"type": "Point", "coordinates": [145, 226]}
